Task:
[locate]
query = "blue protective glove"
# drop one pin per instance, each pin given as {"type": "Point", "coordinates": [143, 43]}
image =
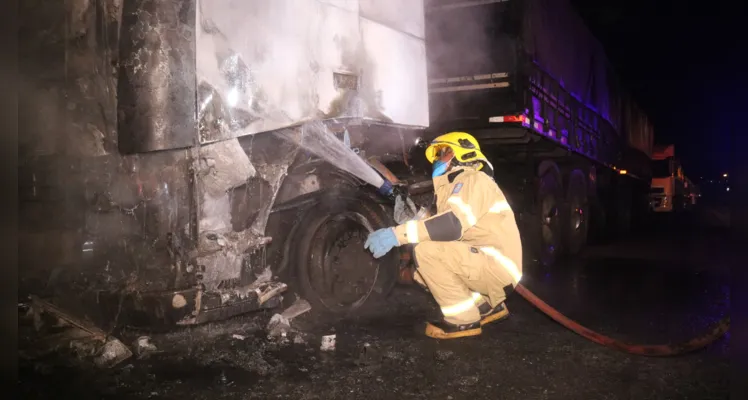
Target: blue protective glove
{"type": "Point", "coordinates": [380, 242]}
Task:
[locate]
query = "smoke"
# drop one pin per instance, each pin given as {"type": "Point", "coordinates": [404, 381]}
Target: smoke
{"type": "Point", "coordinates": [66, 78]}
{"type": "Point", "coordinates": [458, 40]}
{"type": "Point", "coordinates": [463, 42]}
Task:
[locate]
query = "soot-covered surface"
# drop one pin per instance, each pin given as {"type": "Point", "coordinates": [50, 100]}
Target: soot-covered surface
{"type": "Point", "coordinates": [667, 285]}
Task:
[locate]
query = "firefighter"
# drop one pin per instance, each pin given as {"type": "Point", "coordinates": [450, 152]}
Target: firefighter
{"type": "Point", "coordinates": [468, 255]}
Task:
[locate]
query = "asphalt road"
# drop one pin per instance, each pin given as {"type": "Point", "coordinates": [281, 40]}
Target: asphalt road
{"type": "Point", "coordinates": [662, 286]}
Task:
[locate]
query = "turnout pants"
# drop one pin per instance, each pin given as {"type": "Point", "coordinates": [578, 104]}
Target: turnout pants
{"type": "Point", "coordinates": [461, 277]}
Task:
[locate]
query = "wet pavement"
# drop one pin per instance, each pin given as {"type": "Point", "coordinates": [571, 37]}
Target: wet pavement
{"type": "Point", "coordinates": [663, 286]}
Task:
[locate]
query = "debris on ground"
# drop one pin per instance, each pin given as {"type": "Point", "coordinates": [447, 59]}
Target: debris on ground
{"type": "Point", "coordinates": [328, 343]}
{"type": "Point", "coordinates": [299, 339]}
{"type": "Point", "coordinates": [83, 349]}
{"type": "Point", "coordinates": [39, 306]}
{"type": "Point", "coordinates": [112, 353]}
{"type": "Point", "coordinates": [238, 337]}
{"type": "Point", "coordinates": [300, 306]}
{"type": "Point", "coordinates": [368, 355]}
{"type": "Point", "coordinates": [144, 347]}
{"type": "Point", "coordinates": [280, 324]}
{"type": "Point", "coordinates": [60, 330]}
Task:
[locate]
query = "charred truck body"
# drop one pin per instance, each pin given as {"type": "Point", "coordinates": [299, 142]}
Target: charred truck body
{"type": "Point", "coordinates": [164, 165]}
{"type": "Point", "coordinates": [165, 172]}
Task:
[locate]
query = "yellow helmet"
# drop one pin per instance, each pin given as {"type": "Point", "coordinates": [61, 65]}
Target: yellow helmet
{"type": "Point", "coordinates": [466, 149]}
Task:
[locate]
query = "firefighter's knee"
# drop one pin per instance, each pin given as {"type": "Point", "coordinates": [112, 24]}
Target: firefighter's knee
{"type": "Point", "coordinates": [426, 255]}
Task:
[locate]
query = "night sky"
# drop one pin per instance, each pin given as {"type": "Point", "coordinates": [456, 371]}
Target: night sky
{"type": "Point", "coordinates": [684, 63]}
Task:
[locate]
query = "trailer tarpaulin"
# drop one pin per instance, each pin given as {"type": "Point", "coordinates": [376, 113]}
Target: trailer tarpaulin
{"type": "Point", "coordinates": [558, 40]}
{"type": "Point", "coordinates": [636, 124]}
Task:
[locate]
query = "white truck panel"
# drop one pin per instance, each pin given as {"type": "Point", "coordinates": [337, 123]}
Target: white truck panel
{"type": "Point", "coordinates": [292, 48]}
{"type": "Point", "coordinates": [350, 5]}
{"type": "Point", "coordinates": [401, 96]}
{"type": "Point", "coordinates": [402, 15]}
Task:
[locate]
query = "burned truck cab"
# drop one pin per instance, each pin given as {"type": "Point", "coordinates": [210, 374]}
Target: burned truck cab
{"type": "Point", "coordinates": [175, 185]}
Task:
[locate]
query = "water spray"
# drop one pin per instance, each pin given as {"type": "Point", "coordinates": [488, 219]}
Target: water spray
{"type": "Point", "coordinates": [317, 138]}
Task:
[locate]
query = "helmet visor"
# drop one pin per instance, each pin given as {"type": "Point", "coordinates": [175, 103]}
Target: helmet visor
{"type": "Point", "coordinates": [439, 152]}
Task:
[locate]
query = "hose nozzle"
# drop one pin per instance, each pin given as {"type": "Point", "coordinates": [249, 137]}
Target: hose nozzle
{"type": "Point", "coordinates": [386, 190]}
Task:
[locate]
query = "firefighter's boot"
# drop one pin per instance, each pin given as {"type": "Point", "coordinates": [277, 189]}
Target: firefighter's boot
{"type": "Point", "coordinates": [488, 314]}
{"type": "Point", "coordinates": [446, 330]}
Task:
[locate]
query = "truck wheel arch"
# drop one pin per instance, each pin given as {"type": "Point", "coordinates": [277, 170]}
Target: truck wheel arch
{"type": "Point", "coordinates": [549, 166]}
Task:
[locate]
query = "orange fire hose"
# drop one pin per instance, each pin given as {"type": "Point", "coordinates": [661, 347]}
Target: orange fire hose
{"type": "Point", "coordinates": [658, 350]}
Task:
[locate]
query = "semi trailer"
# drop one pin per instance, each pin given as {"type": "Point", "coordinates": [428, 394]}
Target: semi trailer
{"type": "Point", "coordinates": [571, 146]}
{"type": "Point", "coordinates": [165, 169]}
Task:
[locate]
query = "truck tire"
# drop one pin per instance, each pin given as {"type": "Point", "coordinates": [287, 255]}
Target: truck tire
{"type": "Point", "coordinates": [577, 213]}
{"type": "Point", "coordinates": [333, 271]}
{"type": "Point", "coordinates": [546, 216]}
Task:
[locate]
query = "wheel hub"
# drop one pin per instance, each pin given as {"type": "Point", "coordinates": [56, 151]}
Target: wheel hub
{"type": "Point", "coordinates": [350, 267]}
{"type": "Point", "coordinates": [549, 220]}
{"type": "Point", "coordinates": [577, 217]}
{"type": "Point", "coordinates": [346, 273]}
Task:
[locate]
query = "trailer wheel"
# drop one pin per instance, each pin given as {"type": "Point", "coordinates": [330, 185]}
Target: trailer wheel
{"type": "Point", "coordinates": [578, 211]}
{"type": "Point", "coordinates": [547, 215]}
{"type": "Point", "coordinates": [333, 270]}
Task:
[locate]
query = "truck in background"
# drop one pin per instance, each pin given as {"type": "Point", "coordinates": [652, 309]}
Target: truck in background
{"type": "Point", "coordinates": [569, 145]}
{"type": "Point", "coordinates": [168, 181]}
{"type": "Point", "coordinates": [671, 190]}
